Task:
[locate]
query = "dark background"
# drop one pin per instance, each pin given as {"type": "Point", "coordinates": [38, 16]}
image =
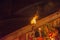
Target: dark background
{"type": "Point", "coordinates": [12, 17]}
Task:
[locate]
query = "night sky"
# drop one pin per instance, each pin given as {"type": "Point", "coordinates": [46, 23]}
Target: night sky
{"type": "Point", "coordinates": [12, 18]}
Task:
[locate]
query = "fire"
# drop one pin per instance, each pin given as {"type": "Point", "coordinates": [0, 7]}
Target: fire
{"type": "Point", "coordinates": [33, 21]}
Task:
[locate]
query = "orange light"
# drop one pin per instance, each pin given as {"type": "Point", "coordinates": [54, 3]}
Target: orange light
{"type": "Point", "coordinates": [33, 21]}
{"type": "Point", "coordinates": [39, 29]}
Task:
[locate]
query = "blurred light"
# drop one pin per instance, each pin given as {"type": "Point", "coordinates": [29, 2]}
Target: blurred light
{"type": "Point", "coordinates": [39, 29]}
{"type": "Point", "coordinates": [33, 21]}
{"type": "Point", "coordinates": [52, 38]}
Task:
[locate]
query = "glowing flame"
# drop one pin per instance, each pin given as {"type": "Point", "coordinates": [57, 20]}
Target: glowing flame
{"type": "Point", "coordinates": [33, 21]}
